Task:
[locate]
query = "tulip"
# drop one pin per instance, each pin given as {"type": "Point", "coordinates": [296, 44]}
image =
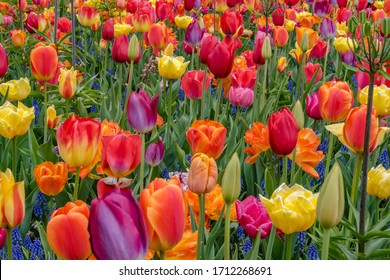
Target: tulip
{"type": "Point", "coordinates": [157, 36]}
{"type": "Point", "coordinates": [15, 121]}
{"type": "Point", "coordinates": [67, 231]}
{"type": "Point", "coordinates": [282, 64]}
{"type": "Point", "coordinates": [18, 38]}
{"type": "Point", "coordinates": [142, 111]}
{"type": "Point", "coordinates": [283, 132]}
{"type": "Point", "coordinates": [348, 57]}
{"type": "Point", "coordinates": [220, 60]}
{"type": "Point", "coordinates": [64, 25]}
{"type": "Point", "coordinates": [232, 24]}
{"type": "Point", "coordinates": [291, 209]}
{"type": "Point", "coordinates": [206, 136]}
{"type": "Point", "coordinates": [51, 178]}
{"type": "Point", "coordinates": [321, 8]}
{"type": "Point", "coordinates": [3, 61]}
{"type": "Point", "coordinates": [78, 140]}
{"type": "Point", "coordinates": [87, 15]}
{"type": "Point", "coordinates": [192, 84]}
{"type": "Point", "coordinates": [117, 227]}
{"type": "Point", "coordinates": [231, 184]}
{"type": "Point", "coordinates": [3, 237]}
{"type": "Point", "coordinates": [242, 97]}
{"type": "Point", "coordinates": [155, 153]}
{"type": "Point", "coordinates": [12, 200]}
{"type": "Point", "coordinates": [43, 62]}
{"type": "Point", "coordinates": [163, 204]}
{"type": "Point", "coordinates": [378, 183]}
{"type": "Point", "coordinates": [312, 36]}
{"type": "Point", "coordinates": [328, 28]}
{"type": "Point", "coordinates": [243, 78]}
{"type": "Point", "coordinates": [67, 83]}
{"type": "Point", "coordinates": [185, 249]}
{"type": "Point", "coordinates": [253, 217]}
{"type": "Point", "coordinates": [311, 69]}
{"type": "Point", "coordinates": [121, 154]}
{"type": "Point", "coordinates": [335, 100]}
{"type": "Point", "coordinates": [381, 99]}
{"type": "Point", "coordinates": [342, 3]}
{"type": "Point", "coordinates": [32, 22]}
{"type": "Point", "coordinates": [207, 44]}
{"type": "Point", "coordinates": [122, 29]}
{"type": "Point", "coordinates": [194, 34]}
{"type": "Point", "coordinates": [280, 36]}
{"type": "Point", "coordinates": [182, 22]}
{"type": "Point", "coordinates": [342, 45]}
{"type": "Point", "coordinates": [133, 51]}
{"type": "Point", "coordinates": [141, 22]}
{"type": "Point", "coordinates": [257, 55]}
{"type": "Point", "coordinates": [52, 118]}
{"type": "Point", "coordinates": [120, 49]}
{"type": "Point", "coordinates": [108, 30]}
{"type": "Point", "coordinates": [17, 90]}
{"type": "Point", "coordinates": [171, 67]}
{"type": "Point", "coordinates": [312, 106]}
{"type": "Point", "coordinates": [258, 139]}
{"type": "Point", "coordinates": [319, 50]}
{"type": "Point", "coordinates": [278, 17]}
{"type": "Point", "coordinates": [203, 174]}
{"type": "Point", "coordinates": [120, 5]}
{"type": "Point", "coordinates": [291, 3]}
{"type": "Point", "coordinates": [330, 205]}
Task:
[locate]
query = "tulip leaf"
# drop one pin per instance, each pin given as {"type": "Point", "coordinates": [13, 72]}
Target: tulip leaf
{"type": "Point", "coordinates": [248, 176]}
{"type": "Point", "coordinates": [181, 157]}
{"type": "Point", "coordinates": [29, 208]}
{"type": "Point", "coordinates": [33, 148]}
{"type": "Point", "coordinates": [269, 183]}
{"type": "Point", "coordinates": [46, 152]}
{"type": "Point", "coordinates": [254, 252]}
{"type": "Point", "coordinates": [194, 226]}
{"type": "Point", "coordinates": [45, 244]}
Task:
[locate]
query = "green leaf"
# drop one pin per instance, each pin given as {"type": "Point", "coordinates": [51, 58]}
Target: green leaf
{"type": "Point", "coordinates": [45, 244]}
{"type": "Point", "coordinates": [29, 208]}
{"type": "Point", "coordinates": [46, 152]}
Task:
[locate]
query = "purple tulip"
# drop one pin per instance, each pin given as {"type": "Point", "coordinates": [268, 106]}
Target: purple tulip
{"type": "Point", "coordinates": [117, 227]}
{"type": "Point", "coordinates": [3, 237]}
{"type": "Point", "coordinates": [348, 57]}
{"type": "Point", "coordinates": [155, 153]}
{"type": "Point", "coordinates": [142, 111]}
{"type": "Point", "coordinates": [194, 34]}
{"type": "Point", "coordinates": [328, 28]}
{"type": "Point", "coordinates": [313, 107]}
{"type": "Point", "coordinates": [321, 8]}
{"type": "Point", "coordinates": [253, 217]}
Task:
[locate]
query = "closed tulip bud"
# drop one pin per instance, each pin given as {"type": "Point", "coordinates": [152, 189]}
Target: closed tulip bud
{"type": "Point", "coordinates": [51, 178]}
{"type": "Point", "coordinates": [304, 45]}
{"type": "Point", "coordinates": [192, 84]}
{"type": "Point", "coordinates": [203, 174]}
{"type": "Point", "coordinates": [43, 62]}
{"type": "Point", "coordinates": [378, 183]}
{"type": "Point", "coordinates": [103, 44]}
{"type": "Point", "coordinates": [299, 116]}
{"type": "Point", "coordinates": [142, 111]}
{"type": "Point", "coordinates": [362, 17]}
{"type": "Point", "coordinates": [231, 180]}
{"type": "Point", "coordinates": [133, 50]}
{"type": "Point", "coordinates": [108, 30]}
{"type": "Point", "coordinates": [12, 200]}
{"type": "Point", "coordinates": [3, 61]}
{"type": "Point", "coordinates": [32, 22]}
{"type": "Point", "coordinates": [266, 50]}
{"type": "Point", "coordinates": [52, 118]}
{"type": "Point", "coordinates": [330, 204]}
{"type": "Point", "coordinates": [120, 49]}
{"type": "Point", "coordinates": [17, 90]}
{"type": "Point", "coordinates": [386, 26]}
{"type": "Point", "coordinates": [154, 153]}
{"type": "Point", "coordinates": [207, 44]}
{"type": "Point", "coordinates": [3, 235]}
{"type": "Point", "coordinates": [282, 64]}
{"type": "Point", "coordinates": [67, 231]}
{"type": "Point", "coordinates": [352, 24]}
{"type": "Point", "coordinates": [367, 29]}
{"type": "Point", "coordinates": [67, 83]}
{"type": "Point", "coordinates": [220, 60]}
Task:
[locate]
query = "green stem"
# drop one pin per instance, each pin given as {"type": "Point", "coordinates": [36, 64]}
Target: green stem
{"type": "Point", "coordinates": [169, 122]}
{"type": "Point", "coordinates": [325, 244]}
{"type": "Point", "coordinates": [285, 166]}
{"type": "Point", "coordinates": [200, 246]}
{"type": "Point", "coordinates": [219, 97]}
{"type": "Point", "coordinates": [355, 180]}
{"type": "Point", "coordinates": [192, 58]}
{"type": "Point", "coordinates": [292, 178]}
{"type": "Point", "coordinates": [150, 175]}
{"type": "Point", "coordinates": [14, 156]}
{"type": "Point", "coordinates": [377, 201]}
{"type": "Point", "coordinates": [256, 104]}
{"type": "Point", "coordinates": [302, 80]}
{"type": "Point", "coordinates": [238, 113]}
{"type": "Point", "coordinates": [226, 244]}
{"type": "Point", "coordinates": [76, 184]}
{"type": "Point", "coordinates": [45, 112]}
{"type": "Point", "coordinates": [9, 243]}
{"type": "Point", "coordinates": [289, 247]}
{"type": "Point", "coordinates": [329, 153]}
{"type": "Point", "coordinates": [191, 110]}
{"type": "Point", "coordinates": [162, 255]}
{"type": "Point", "coordinates": [119, 94]}
{"type": "Point", "coordinates": [66, 108]}
{"type": "Point", "coordinates": [142, 169]}
{"type": "Point", "coordinates": [264, 87]}
{"type": "Point", "coordinates": [202, 102]}
{"type": "Point", "coordinates": [325, 62]}
{"type": "Point", "coordinates": [129, 84]}
{"type": "Point", "coordinates": [85, 46]}
{"type": "Point", "coordinates": [270, 245]}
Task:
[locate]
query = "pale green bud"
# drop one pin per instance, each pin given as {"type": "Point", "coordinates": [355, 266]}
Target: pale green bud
{"type": "Point", "coordinates": [298, 114]}
{"type": "Point", "coordinates": [304, 43]}
{"type": "Point", "coordinates": [266, 50]}
{"type": "Point", "coordinates": [133, 50]}
{"type": "Point", "coordinates": [231, 183]}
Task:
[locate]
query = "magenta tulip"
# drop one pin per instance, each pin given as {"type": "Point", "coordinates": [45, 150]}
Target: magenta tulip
{"type": "Point", "coordinates": [242, 97]}
{"type": "Point", "coordinates": [155, 153]}
{"type": "Point", "coordinates": [3, 61]}
{"type": "Point", "coordinates": [312, 106]}
{"type": "Point", "coordinates": [142, 111]}
{"type": "Point", "coordinates": [194, 34]}
{"type": "Point", "coordinates": [3, 237]}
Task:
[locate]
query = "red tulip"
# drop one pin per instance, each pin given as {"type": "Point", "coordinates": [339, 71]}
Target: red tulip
{"type": "Point", "coordinates": [310, 69]}
{"type": "Point", "coordinates": [208, 43]}
{"type": "Point", "coordinates": [283, 132]}
{"type": "Point", "coordinates": [342, 3]}
{"type": "Point", "coordinates": [32, 22]}
{"type": "Point", "coordinates": [142, 111]}
{"type": "Point", "coordinates": [278, 17]}
{"type": "Point", "coordinates": [43, 62]}
{"type": "Point", "coordinates": [257, 56]}
{"type": "Point", "coordinates": [232, 24]}
{"type": "Point", "coordinates": [3, 62]}
{"type": "Point", "coordinates": [64, 25]}
{"type": "Point", "coordinates": [362, 4]}
{"type": "Point", "coordinates": [243, 78]}
{"type": "Point", "coordinates": [291, 3]}
{"type": "Point", "coordinates": [319, 50]}
{"type": "Point", "coordinates": [108, 30]}
{"type": "Point", "coordinates": [220, 60]}
{"type": "Point", "coordinates": [120, 49]}
{"type": "Point", "coordinates": [343, 15]}
{"type": "Point", "coordinates": [192, 84]}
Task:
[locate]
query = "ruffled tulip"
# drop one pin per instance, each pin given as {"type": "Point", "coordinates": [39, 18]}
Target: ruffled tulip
{"type": "Point", "coordinates": [67, 231]}
{"type": "Point", "coordinates": [51, 178]}
{"type": "Point", "coordinates": [381, 101]}
{"type": "Point", "coordinates": [67, 85]}
{"type": "Point", "coordinates": [3, 61]}
{"type": "Point", "coordinates": [171, 67]}
{"type": "Point", "coordinates": [185, 249]}
{"type": "Point", "coordinates": [154, 153]}
{"type": "Point", "coordinates": [122, 29]}
{"type": "Point", "coordinates": [291, 209]}
{"type": "Point", "coordinates": [208, 137]}
{"type": "Point", "coordinates": [12, 200]}
{"type": "Point", "coordinates": [283, 132]}
{"type": "Point", "coordinates": [253, 217]}
{"type": "Point", "coordinates": [258, 139]}
{"type": "Point", "coordinates": [17, 90]}
{"type": "Point", "coordinates": [378, 183]}
{"type": "Point", "coordinates": [342, 44]}
{"type": "Point", "coordinates": [203, 174]}
{"type": "Point", "coordinates": [120, 49]}
{"type": "Point", "coordinates": [78, 140]}
{"type": "Point", "coordinates": [121, 154]}
{"type": "Point", "coordinates": [142, 111]}
{"type": "Point", "coordinates": [15, 121]}
{"type": "Point", "coordinates": [192, 84]}
{"type": "Point", "coordinates": [162, 204]}
{"type": "Point", "coordinates": [43, 62]}
{"type": "Point", "coordinates": [117, 227]}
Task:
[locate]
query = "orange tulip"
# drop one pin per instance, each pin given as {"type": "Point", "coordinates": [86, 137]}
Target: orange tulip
{"type": "Point", "coordinates": [258, 139]}
{"type": "Point", "coordinates": [43, 62]}
{"type": "Point", "coordinates": [164, 209]}
{"type": "Point", "coordinates": [67, 231]}
{"type": "Point", "coordinates": [208, 137]}
{"type": "Point", "coordinates": [203, 174]}
{"type": "Point", "coordinates": [280, 36]}
{"type": "Point", "coordinates": [312, 35]}
{"type": "Point", "coordinates": [185, 249]}
{"type": "Point", "coordinates": [157, 36]}
{"type": "Point", "coordinates": [51, 178]}
{"type": "Point", "coordinates": [335, 100]}
{"type": "Point", "coordinates": [18, 37]}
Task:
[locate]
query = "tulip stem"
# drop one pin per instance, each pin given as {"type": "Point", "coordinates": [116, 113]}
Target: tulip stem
{"type": "Point", "coordinates": [142, 167]}
{"type": "Point", "coordinates": [292, 178]}
{"type": "Point", "coordinates": [129, 84]}
{"type": "Point", "coordinates": [325, 62]}
{"type": "Point", "coordinates": [325, 244]}
{"type": "Point", "coordinates": [66, 108]}
{"type": "Point", "coordinates": [169, 123]}
{"type": "Point", "coordinates": [200, 245]}
{"type": "Point", "coordinates": [76, 184]}
{"type": "Point", "coordinates": [73, 33]}
{"type": "Point", "coordinates": [219, 97]}
{"type": "Point", "coordinates": [329, 153]}
{"type": "Point", "coordinates": [289, 247]}
{"type": "Point", "coordinates": [14, 155]}
{"type": "Point", "coordinates": [45, 112]}
{"type": "Point", "coordinates": [355, 183]}
{"type": "Point", "coordinates": [285, 167]}
{"type": "Point", "coordinates": [202, 101]}
{"type": "Point", "coordinates": [270, 244]}
{"type": "Point", "coordinates": [192, 58]}
{"type": "Point", "coordinates": [264, 86]}
{"type": "Point", "coordinates": [226, 243]}
{"type": "Point", "coordinates": [238, 112]}
{"type": "Point", "coordinates": [162, 255]}
{"type": "Point", "coordinates": [9, 243]}
{"type": "Point", "coordinates": [150, 175]}
{"type": "Point", "coordinates": [377, 201]}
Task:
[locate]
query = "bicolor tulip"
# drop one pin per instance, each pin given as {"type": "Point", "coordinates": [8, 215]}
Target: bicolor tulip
{"type": "Point", "coordinates": [67, 83]}
{"type": "Point", "coordinates": [381, 99]}
{"type": "Point", "coordinates": [283, 132]}
{"type": "Point", "coordinates": [117, 227]}
{"type": "Point", "coordinates": [328, 28]}
{"type": "Point", "coordinates": [78, 140]}
{"type": "Point", "coordinates": [203, 174]}
{"type": "Point", "coordinates": [253, 217]}
{"type": "Point", "coordinates": [52, 118]}
{"type": "Point", "coordinates": [43, 62]}
{"type": "Point", "coordinates": [3, 61]}
{"type": "Point", "coordinates": [121, 154]}
{"type": "Point", "coordinates": [291, 209]}
{"type": "Point", "coordinates": [310, 70]}
{"type": "Point", "coordinates": [335, 100]}
{"type": "Point", "coordinates": [282, 64]}
{"type": "Point", "coordinates": [142, 111]}
{"type": "Point", "coordinates": [18, 38]}
{"type": "Point", "coordinates": [141, 22]}
{"type": "Point", "coordinates": [192, 84]}
{"type": "Point", "coordinates": [154, 153]}
{"type": "Point", "coordinates": [15, 121]}
{"type": "Point", "coordinates": [242, 97]}
{"type": "Point", "coordinates": [108, 30]}
{"type": "Point", "coordinates": [378, 183]}
{"type": "Point", "coordinates": [32, 22]}
{"type": "Point", "coordinates": [313, 107]}
{"type": "Point", "coordinates": [257, 54]}
{"type": "Point", "coordinates": [51, 178]}
{"type": "Point", "coordinates": [87, 15]}
{"type": "Point", "coordinates": [206, 136]}
{"type": "Point", "coordinates": [311, 34]}
{"type": "Point", "coordinates": [67, 231]}
{"type": "Point", "coordinates": [163, 204]}
{"type": "Point", "coordinates": [120, 49]}
{"type": "Point", "coordinates": [12, 200]}
{"type": "Point", "coordinates": [185, 249]}
{"type": "Point", "coordinates": [17, 90]}
{"type": "Point", "coordinates": [157, 36]}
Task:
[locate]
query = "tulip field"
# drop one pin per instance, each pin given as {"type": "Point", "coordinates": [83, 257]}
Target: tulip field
{"type": "Point", "coordinates": [194, 130]}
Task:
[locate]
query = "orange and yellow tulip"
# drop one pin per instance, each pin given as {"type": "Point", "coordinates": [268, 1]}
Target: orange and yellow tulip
{"type": "Point", "coordinates": [51, 178]}
{"type": "Point", "coordinates": [18, 38]}
{"type": "Point", "coordinates": [43, 62]}
{"type": "Point", "coordinates": [203, 174]}
{"type": "Point", "coordinates": [67, 83]}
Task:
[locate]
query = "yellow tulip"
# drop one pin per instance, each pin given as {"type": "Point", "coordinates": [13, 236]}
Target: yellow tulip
{"type": "Point", "coordinates": [341, 29]}
{"type": "Point", "coordinates": [171, 67]}
{"type": "Point", "coordinates": [290, 25]}
{"type": "Point", "coordinates": [15, 121]}
{"type": "Point", "coordinates": [52, 118]}
{"type": "Point", "coordinates": [342, 45]}
{"type": "Point", "coordinates": [120, 29]}
{"type": "Point", "coordinates": [183, 21]}
{"type": "Point", "coordinates": [381, 99]}
{"type": "Point", "coordinates": [291, 209]}
{"type": "Point", "coordinates": [17, 89]}
{"type": "Point", "coordinates": [378, 183]}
